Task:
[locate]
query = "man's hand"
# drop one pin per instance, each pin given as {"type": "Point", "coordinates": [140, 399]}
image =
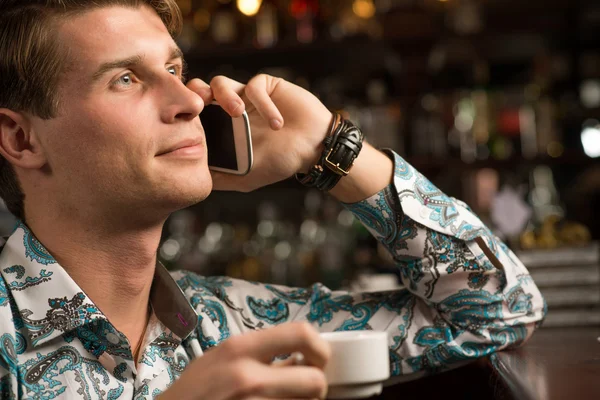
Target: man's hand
{"type": "Point", "coordinates": [288, 127]}
{"type": "Point", "coordinates": [241, 368]}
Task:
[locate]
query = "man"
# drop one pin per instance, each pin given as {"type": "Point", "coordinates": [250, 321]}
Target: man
{"type": "Point", "coordinates": [100, 142]}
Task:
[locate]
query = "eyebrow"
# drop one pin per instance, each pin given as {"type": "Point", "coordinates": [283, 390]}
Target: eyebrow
{"type": "Point", "coordinates": [130, 62]}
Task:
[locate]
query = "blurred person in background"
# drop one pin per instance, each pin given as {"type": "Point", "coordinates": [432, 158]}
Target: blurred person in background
{"type": "Point", "coordinates": [100, 142]}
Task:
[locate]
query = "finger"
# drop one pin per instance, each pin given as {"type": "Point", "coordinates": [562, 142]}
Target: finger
{"type": "Point", "coordinates": [285, 339]}
{"type": "Point", "coordinates": [259, 91]}
{"type": "Point", "coordinates": [227, 94]}
{"type": "Point", "coordinates": [202, 89]}
{"type": "Point", "coordinates": [291, 382]}
{"type": "Point", "coordinates": [293, 360]}
{"type": "Point", "coordinates": [271, 398]}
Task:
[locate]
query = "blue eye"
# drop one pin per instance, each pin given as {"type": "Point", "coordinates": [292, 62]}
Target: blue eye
{"type": "Point", "coordinates": [125, 80]}
{"type": "Point", "coordinates": [172, 70]}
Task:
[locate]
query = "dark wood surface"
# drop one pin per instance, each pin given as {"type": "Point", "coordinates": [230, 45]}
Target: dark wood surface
{"type": "Point", "coordinates": [471, 382]}
{"type": "Point", "coordinates": [554, 364]}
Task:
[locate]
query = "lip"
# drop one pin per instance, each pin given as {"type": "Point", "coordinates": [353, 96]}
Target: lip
{"type": "Point", "coordinates": [185, 147]}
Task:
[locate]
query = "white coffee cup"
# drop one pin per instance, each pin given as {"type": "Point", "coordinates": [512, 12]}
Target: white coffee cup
{"type": "Point", "coordinates": [358, 365]}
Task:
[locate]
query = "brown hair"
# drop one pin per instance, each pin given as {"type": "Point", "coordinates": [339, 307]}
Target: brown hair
{"type": "Point", "coordinates": [31, 63]}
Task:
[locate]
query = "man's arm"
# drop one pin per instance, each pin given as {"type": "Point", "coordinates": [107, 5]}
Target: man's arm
{"type": "Point", "coordinates": [372, 171]}
{"type": "Point", "coordinates": [472, 295]}
{"type": "Point", "coordinates": [466, 293]}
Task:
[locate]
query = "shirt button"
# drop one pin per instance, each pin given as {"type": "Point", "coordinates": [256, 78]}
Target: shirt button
{"type": "Point", "coordinates": [424, 213]}
{"type": "Point", "coordinates": [113, 338]}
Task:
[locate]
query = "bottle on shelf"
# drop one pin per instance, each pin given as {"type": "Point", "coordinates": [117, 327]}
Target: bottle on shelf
{"type": "Point", "coordinates": [224, 23]}
{"type": "Point", "coordinates": [305, 13]}
{"type": "Point", "coordinates": [429, 136]}
{"type": "Point", "coordinates": [267, 25]}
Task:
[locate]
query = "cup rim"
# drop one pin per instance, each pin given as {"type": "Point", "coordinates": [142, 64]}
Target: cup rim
{"type": "Point", "coordinates": [346, 336]}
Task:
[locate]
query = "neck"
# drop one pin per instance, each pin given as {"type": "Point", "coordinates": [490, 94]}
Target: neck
{"type": "Point", "coordinates": [112, 262]}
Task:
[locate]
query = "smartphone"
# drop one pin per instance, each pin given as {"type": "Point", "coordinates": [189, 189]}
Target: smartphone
{"type": "Point", "coordinates": [228, 140]}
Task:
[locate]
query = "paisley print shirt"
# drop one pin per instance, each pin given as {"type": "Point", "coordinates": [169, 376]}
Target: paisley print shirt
{"type": "Point", "coordinates": [465, 296]}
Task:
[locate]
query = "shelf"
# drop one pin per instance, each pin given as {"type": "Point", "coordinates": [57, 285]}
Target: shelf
{"type": "Point", "coordinates": [425, 163]}
{"type": "Point", "coordinates": [288, 52]}
{"type": "Point", "coordinates": [428, 166]}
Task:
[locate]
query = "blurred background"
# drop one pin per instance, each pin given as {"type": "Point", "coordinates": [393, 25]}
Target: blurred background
{"type": "Point", "coordinates": [497, 102]}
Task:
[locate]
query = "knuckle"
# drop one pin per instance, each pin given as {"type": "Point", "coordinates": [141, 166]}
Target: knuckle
{"type": "Point", "coordinates": [313, 343]}
{"type": "Point", "coordinates": [252, 89]}
{"type": "Point", "coordinates": [233, 347]}
{"type": "Point", "coordinates": [259, 77]}
{"type": "Point", "coordinates": [218, 81]}
{"type": "Point", "coordinates": [197, 82]}
{"type": "Point", "coordinates": [244, 381]}
{"type": "Point", "coordinates": [306, 332]}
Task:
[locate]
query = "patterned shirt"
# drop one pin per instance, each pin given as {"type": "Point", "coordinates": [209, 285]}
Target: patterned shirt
{"type": "Point", "coordinates": [465, 296]}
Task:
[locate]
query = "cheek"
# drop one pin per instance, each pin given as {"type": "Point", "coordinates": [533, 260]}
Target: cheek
{"type": "Point", "coordinates": [106, 139]}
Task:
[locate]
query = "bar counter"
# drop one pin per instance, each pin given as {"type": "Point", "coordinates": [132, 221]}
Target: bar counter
{"type": "Point", "coordinates": [555, 364]}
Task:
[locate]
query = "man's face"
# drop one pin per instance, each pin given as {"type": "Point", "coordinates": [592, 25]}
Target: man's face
{"type": "Point", "coordinates": [123, 111]}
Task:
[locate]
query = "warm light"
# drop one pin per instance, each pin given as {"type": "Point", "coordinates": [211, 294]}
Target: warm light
{"type": "Point", "coordinates": [590, 93]}
{"type": "Point", "coordinates": [590, 139]}
{"type": "Point", "coordinates": [201, 20]}
{"type": "Point", "coordinates": [364, 8]}
{"type": "Point", "coordinates": [185, 6]}
{"type": "Point", "coordinates": [249, 7]}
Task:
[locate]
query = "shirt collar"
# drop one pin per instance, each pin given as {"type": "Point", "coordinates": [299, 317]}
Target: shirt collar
{"type": "Point", "coordinates": [51, 304]}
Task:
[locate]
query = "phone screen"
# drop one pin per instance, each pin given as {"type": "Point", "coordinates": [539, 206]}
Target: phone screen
{"type": "Point", "coordinates": [220, 143]}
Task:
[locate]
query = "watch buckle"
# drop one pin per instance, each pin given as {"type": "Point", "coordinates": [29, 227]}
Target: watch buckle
{"type": "Point", "coordinates": [336, 167]}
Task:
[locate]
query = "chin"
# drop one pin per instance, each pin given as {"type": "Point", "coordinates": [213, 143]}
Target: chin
{"type": "Point", "coordinates": [181, 187]}
{"type": "Point", "coordinates": [189, 193]}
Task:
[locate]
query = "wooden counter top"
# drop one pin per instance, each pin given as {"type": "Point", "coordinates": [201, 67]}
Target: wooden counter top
{"type": "Point", "coordinates": [556, 364]}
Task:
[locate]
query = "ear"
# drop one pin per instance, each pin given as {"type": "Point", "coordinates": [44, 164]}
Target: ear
{"type": "Point", "coordinates": [19, 144]}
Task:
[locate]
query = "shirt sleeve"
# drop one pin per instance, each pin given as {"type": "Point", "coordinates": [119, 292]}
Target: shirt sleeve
{"type": "Point", "coordinates": [469, 294]}
{"type": "Point", "coordinates": [466, 294]}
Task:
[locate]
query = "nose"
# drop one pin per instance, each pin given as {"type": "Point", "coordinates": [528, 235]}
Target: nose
{"type": "Point", "coordinates": [179, 102]}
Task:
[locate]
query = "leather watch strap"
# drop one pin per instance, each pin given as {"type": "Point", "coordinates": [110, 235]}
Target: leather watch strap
{"type": "Point", "coordinates": [341, 148]}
